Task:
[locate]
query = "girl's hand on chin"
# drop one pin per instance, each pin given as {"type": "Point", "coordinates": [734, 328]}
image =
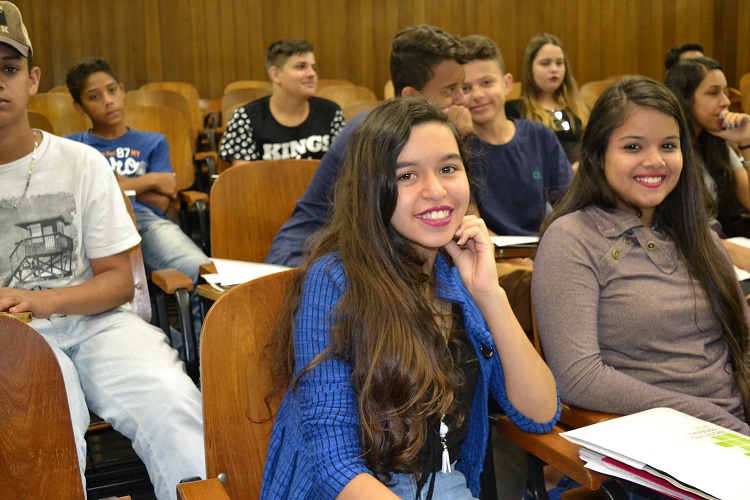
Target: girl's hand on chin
{"type": "Point", "coordinates": [736, 128]}
{"type": "Point", "coordinates": [473, 253]}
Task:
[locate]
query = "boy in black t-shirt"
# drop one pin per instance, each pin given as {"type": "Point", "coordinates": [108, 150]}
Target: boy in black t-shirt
{"type": "Point", "coordinates": [291, 122]}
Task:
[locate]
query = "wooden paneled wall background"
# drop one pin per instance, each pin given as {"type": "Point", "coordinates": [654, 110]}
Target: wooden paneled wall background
{"type": "Point", "coordinates": [213, 42]}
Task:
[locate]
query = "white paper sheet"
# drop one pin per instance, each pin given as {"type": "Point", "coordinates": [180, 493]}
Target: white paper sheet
{"type": "Point", "coordinates": [700, 454]}
{"type": "Point", "coordinates": [509, 241]}
{"type": "Point", "coordinates": [234, 272]}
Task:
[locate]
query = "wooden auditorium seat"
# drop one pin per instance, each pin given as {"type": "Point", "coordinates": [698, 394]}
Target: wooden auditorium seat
{"type": "Point", "coordinates": [250, 202]}
{"type": "Point", "coordinates": [346, 94]}
{"type": "Point", "coordinates": [353, 109]}
{"type": "Point", "coordinates": [247, 84]}
{"type": "Point", "coordinates": [236, 374]}
{"type": "Point", "coordinates": [39, 458]}
{"type": "Point", "coordinates": [232, 100]}
{"type": "Point", "coordinates": [388, 91]}
{"type": "Point", "coordinates": [324, 83]}
{"type": "Point", "coordinates": [40, 121]}
{"type": "Point", "coordinates": [550, 448]}
{"type": "Point", "coordinates": [59, 110]}
{"type": "Point", "coordinates": [172, 124]}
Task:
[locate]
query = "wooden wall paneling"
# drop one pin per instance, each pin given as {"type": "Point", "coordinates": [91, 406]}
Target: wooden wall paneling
{"type": "Point", "coordinates": [741, 60]}
{"type": "Point", "coordinates": [569, 38]}
{"type": "Point", "coordinates": [360, 44]}
{"type": "Point", "coordinates": [244, 27]}
{"type": "Point", "coordinates": [152, 43]}
{"type": "Point", "coordinates": [589, 40]}
{"type": "Point", "coordinates": [177, 55]}
{"type": "Point", "coordinates": [333, 52]}
{"type": "Point", "coordinates": [513, 34]}
{"type": "Point", "coordinates": [210, 43]}
{"type": "Point", "coordinates": [385, 26]}
{"type": "Point", "coordinates": [482, 14]}
{"type": "Point", "coordinates": [58, 23]}
{"type": "Point", "coordinates": [732, 17]}
{"type": "Point", "coordinates": [233, 29]}
{"type": "Point", "coordinates": [703, 28]}
{"type": "Point", "coordinates": [201, 32]}
{"type": "Point", "coordinates": [648, 26]}
{"type": "Point", "coordinates": [256, 39]}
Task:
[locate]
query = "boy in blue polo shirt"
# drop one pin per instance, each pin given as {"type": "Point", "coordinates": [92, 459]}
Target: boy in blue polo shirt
{"type": "Point", "coordinates": [140, 160]}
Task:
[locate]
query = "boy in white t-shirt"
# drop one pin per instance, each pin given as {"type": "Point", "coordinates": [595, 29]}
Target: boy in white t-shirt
{"type": "Point", "coordinates": [63, 257]}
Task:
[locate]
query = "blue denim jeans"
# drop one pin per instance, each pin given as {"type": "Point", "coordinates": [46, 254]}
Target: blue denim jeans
{"type": "Point", "coordinates": [121, 368]}
{"type": "Point", "coordinates": [165, 245]}
{"type": "Point", "coordinates": [450, 486]}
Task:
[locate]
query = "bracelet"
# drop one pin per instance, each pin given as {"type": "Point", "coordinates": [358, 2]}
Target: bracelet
{"type": "Point", "coordinates": [743, 147]}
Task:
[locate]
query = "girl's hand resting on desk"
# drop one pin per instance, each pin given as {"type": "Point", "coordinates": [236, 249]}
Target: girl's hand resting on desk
{"type": "Point", "coordinates": [473, 253]}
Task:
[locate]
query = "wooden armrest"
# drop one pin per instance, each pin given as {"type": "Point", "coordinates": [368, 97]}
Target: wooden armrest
{"type": "Point", "coordinates": [203, 155]}
{"type": "Point", "coordinates": [171, 280]}
{"type": "Point", "coordinates": [573, 417]}
{"type": "Point", "coordinates": [553, 449]}
{"type": "Point", "coordinates": [208, 489]}
{"type": "Point", "coordinates": [208, 268]}
{"type": "Point", "coordinates": [190, 197]}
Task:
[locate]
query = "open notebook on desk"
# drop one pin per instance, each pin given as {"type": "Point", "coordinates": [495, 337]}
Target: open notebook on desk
{"type": "Point", "coordinates": [233, 272]}
{"type": "Point", "coordinates": [671, 452]}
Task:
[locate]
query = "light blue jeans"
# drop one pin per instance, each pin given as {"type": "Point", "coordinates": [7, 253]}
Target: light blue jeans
{"type": "Point", "coordinates": [450, 486]}
{"type": "Point", "coordinates": [121, 368]}
{"type": "Point", "coordinates": [165, 245]}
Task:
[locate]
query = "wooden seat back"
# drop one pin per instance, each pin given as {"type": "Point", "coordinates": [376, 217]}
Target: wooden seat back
{"type": "Point", "coordinates": [232, 100]}
{"type": "Point", "coordinates": [59, 110]}
{"type": "Point", "coordinates": [172, 124]}
{"type": "Point", "coordinates": [40, 121]}
{"type": "Point", "coordinates": [247, 84]}
{"type": "Point", "coordinates": [332, 82]}
{"type": "Point", "coordinates": [353, 109]}
{"type": "Point", "coordinates": [164, 98]}
{"type": "Point", "coordinates": [346, 94]}
{"type": "Point", "coordinates": [188, 91]}
{"type": "Point", "coordinates": [250, 202]}
{"type": "Point", "coordinates": [39, 458]}
{"type": "Point", "coordinates": [236, 376]}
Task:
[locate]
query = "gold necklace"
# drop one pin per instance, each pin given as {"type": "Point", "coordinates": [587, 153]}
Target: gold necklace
{"type": "Point", "coordinates": [32, 163]}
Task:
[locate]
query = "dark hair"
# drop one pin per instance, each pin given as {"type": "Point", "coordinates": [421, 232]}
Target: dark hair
{"type": "Point", "coordinates": [402, 369]}
{"type": "Point", "coordinates": [684, 79]}
{"type": "Point", "coordinates": [279, 52]}
{"type": "Point", "coordinates": [416, 51]}
{"type": "Point", "coordinates": [79, 74]}
{"type": "Point", "coordinates": [566, 94]}
{"type": "Point", "coordinates": [672, 56]}
{"type": "Point", "coordinates": [481, 48]}
{"type": "Point", "coordinates": [682, 214]}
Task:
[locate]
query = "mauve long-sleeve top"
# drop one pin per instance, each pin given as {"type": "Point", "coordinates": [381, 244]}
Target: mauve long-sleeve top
{"type": "Point", "coordinates": [623, 326]}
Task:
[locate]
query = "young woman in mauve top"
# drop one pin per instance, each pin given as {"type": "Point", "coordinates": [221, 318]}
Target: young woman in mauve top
{"type": "Point", "coordinates": [651, 313]}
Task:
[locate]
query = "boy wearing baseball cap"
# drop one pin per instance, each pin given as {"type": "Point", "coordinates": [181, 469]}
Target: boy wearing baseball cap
{"type": "Point", "coordinates": [64, 238]}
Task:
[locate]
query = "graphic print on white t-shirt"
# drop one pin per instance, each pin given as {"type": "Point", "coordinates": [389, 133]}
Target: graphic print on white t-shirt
{"type": "Point", "coordinates": [38, 242]}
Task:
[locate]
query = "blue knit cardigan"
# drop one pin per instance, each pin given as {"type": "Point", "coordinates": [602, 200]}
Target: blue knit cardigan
{"type": "Point", "coordinates": [315, 445]}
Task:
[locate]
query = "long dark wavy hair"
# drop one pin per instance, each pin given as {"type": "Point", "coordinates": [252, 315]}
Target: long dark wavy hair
{"type": "Point", "coordinates": [683, 79]}
{"type": "Point", "coordinates": [682, 214]}
{"type": "Point", "coordinates": [385, 326]}
{"type": "Point", "coordinates": [566, 94]}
